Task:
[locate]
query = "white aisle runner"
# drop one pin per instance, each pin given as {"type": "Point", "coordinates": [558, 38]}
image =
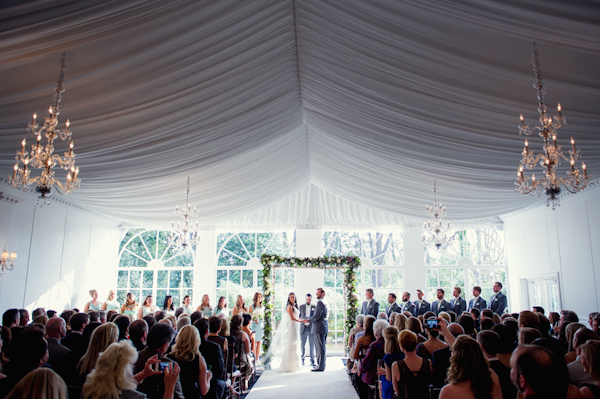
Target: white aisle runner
{"type": "Point", "coordinates": [333, 383]}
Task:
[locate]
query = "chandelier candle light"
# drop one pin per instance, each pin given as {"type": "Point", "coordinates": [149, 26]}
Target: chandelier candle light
{"type": "Point", "coordinates": [436, 231]}
{"type": "Point", "coordinates": [550, 184]}
{"type": "Point", "coordinates": [43, 157]}
{"type": "Point", "coordinates": [5, 266]}
{"type": "Point", "coordinates": [185, 236]}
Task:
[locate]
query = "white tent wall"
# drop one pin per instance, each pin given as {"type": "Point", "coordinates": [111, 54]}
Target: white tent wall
{"type": "Point", "coordinates": [63, 252]}
{"type": "Point", "coordinates": [540, 241]}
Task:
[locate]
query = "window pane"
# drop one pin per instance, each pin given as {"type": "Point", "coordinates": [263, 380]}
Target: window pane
{"type": "Point", "coordinates": [176, 295]}
{"type": "Point", "coordinates": [174, 279]}
{"type": "Point", "coordinates": [121, 296]}
{"type": "Point", "coordinates": [149, 238]}
{"type": "Point", "coordinates": [221, 278]}
{"type": "Point", "coordinates": [122, 279]}
{"type": "Point", "coordinates": [148, 279]}
{"type": "Point", "coordinates": [162, 280]}
{"type": "Point", "coordinates": [235, 278]}
{"type": "Point", "coordinates": [432, 278]}
{"type": "Point", "coordinates": [188, 279]}
{"type": "Point", "coordinates": [247, 278]}
{"type": "Point", "coordinates": [329, 278]}
{"type": "Point", "coordinates": [135, 279]}
{"type": "Point", "coordinates": [160, 298]}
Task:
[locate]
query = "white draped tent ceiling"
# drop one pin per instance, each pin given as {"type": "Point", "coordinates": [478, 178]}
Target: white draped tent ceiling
{"type": "Point", "coordinates": [299, 113]}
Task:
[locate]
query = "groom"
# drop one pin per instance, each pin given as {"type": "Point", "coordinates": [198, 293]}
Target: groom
{"type": "Point", "coordinates": [319, 329]}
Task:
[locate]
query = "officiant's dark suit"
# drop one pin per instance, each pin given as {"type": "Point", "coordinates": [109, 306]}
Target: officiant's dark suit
{"type": "Point", "coordinates": [319, 329]}
{"type": "Point", "coordinates": [306, 333]}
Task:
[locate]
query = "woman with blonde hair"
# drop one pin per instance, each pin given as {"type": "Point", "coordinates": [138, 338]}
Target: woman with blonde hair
{"type": "Point", "coordinates": [205, 307]}
{"type": "Point", "coordinates": [101, 338]}
{"type": "Point", "coordinates": [41, 383]}
{"type": "Point", "coordinates": [147, 307]}
{"type": "Point", "coordinates": [469, 374]}
{"type": "Point", "coordinates": [257, 311]}
{"type": "Point", "coordinates": [590, 358]}
{"type": "Point", "coordinates": [240, 306]}
{"type": "Point", "coordinates": [112, 377]}
{"type": "Point", "coordinates": [130, 307]}
{"type": "Point", "coordinates": [411, 376]}
{"type": "Point", "coordinates": [195, 377]}
{"type": "Point", "coordinates": [400, 322]}
{"type": "Point", "coordinates": [94, 304]}
{"type": "Point", "coordinates": [111, 302]}
{"type": "Point", "coordinates": [392, 354]}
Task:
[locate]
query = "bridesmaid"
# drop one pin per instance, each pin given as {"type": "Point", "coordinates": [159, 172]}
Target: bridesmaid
{"type": "Point", "coordinates": [205, 307]}
{"type": "Point", "coordinates": [168, 306]}
{"type": "Point", "coordinates": [94, 304]}
{"type": "Point", "coordinates": [240, 306]}
{"type": "Point", "coordinates": [222, 307]}
{"type": "Point", "coordinates": [187, 306]}
{"type": "Point", "coordinates": [257, 311]}
{"type": "Point", "coordinates": [130, 307]}
{"type": "Point", "coordinates": [147, 307]}
{"type": "Point", "coordinates": [111, 303]}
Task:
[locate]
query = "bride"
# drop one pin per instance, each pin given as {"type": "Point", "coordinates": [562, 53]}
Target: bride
{"type": "Point", "coordinates": [289, 361]}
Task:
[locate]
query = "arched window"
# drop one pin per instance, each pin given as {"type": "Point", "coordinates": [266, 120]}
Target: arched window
{"type": "Point", "coordinates": [148, 265]}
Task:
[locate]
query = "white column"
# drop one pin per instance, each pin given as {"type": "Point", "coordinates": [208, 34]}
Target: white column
{"type": "Point", "coordinates": [205, 271]}
{"type": "Point", "coordinates": [414, 261]}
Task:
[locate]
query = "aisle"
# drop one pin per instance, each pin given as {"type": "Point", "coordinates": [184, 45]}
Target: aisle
{"type": "Point", "coordinates": [331, 384]}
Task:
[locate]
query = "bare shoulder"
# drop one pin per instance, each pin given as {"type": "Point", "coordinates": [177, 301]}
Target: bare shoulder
{"type": "Point", "coordinates": [455, 391]}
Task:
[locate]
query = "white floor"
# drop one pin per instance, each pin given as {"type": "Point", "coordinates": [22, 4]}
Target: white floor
{"type": "Point", "coordinates": [331, 384]}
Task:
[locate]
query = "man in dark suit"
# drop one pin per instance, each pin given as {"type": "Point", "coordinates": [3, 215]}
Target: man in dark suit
{"type": "Point", "coordinates": [441, 305]}
{"type": "Point", "coordinates": [498, 301]}
{"type": "Point", "coordinates": [370, 306]}
{"type": "Point", "coordinates": [393, 306]}
{"type": "Point", "coordinates": [320, 328]}
{"type": "Point", "coordinates": [421, 305]}
{"type": "Point", "coordinates": [59, 357]}
{"type": "Point", "coordinates": [213, 354]}
{"type": "Point", "coordinates": [78, 323]}
{"type": "Point", "coordinates": [159, 340]}
{"type": "Point", "coordinates": [407, 305]}
{"type": "Point", "coordinates": [458, 305]}
{"type": "Point", "coordinates": [477, 302]}
{"type": "Point", "coordinates": [307, 310]}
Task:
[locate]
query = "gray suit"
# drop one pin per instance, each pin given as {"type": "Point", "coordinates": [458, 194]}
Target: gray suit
{"type": "Point", "coordinates": [498, 303]}
{"type": "Point", "coordinates": [305, 332]}
{"type": "Point", "coordinates": [392, 308]}
{"type": "Point", "coordinates": [319, 329]}
{"type": "Point", "coordinates": [370, 308]}
{"type": "Point", "coordinates": [409, 307]}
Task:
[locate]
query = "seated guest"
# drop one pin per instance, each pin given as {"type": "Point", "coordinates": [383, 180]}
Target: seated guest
{"type": "Point", "coordinates": [400, 321]}
{"type": "Point", "coordinates": [59, 357]}
{"type": "Point", "coordinates": [24, 317]}
{"type": "Point", "coordinates": [66, 316]}
{"type": "Point", "coordinates": [363, 343]}
{"type": "Point", "coordinates": [544, 326]}
{"type": "Point", "coordinates": [243, 347]}
{"type": "Point", "coordinates": [11, 318]}
{"type": "Point", "coordinates": [158, 343]}
{"type": "Point", "coordinates": [42, 320]}
{"type": "Point", "coordinates": [535, 373]}
{"type": "Point", "coordinates": [38, 312]}
{"type": "Point", "coordinates": [596, 325]}
{"type": "Point", "coordinates": [231, 341]}
{"type": "Point", "coordinates": [246, 328]}
{"type": "Point", "coordinates": [527, 335]}
{"type": "Point", "coordinates": [159, 315]}
{"type": "Point", "coordinates": [590, 358]}
{"type": "Point", "coordinates": [554, 318]}
{"type": "Point", "coordinates": [214, 325]}
{"type": "Point", "coordinates": [183, 321]}
{"type": "Point", "coordinates": [86, 336]}
{"type": "Point", "coordinates": [393, 353]}
{"type": "Point", "coordinates": [558, 350]}
{"type": "Point", "coordinates": [102, 336]}
{"type": "Point", "coordinates": [179, 311]}
{"type": "Point", "coordinates": [195, 316]}
{"type": "Point", "coordinates": [150, 320]}
{"type": "Point", "coordinates": [212, 353]}
{"type": "Point", "coordinates": [194, 376]}
{"type": "Point", "coordinates": [433, 343]}
{"type": "Point", "coordinates": [113, 376]}
{"type": "Point", "coordinates": [491, 343]}
{"type": "Point", "coordinates": [469, 375]}
{"type": "Point", "coordinates": [368, 366]}
{"type": "Point", "coordinates": [51, 313]}
{"type": "Point", "coordinates": [411, 376]}
{"type": "Point", "coordinates": [528, 319]}
{"type": "Point", "coordinates": [538, 309]}
{"type": "Point", "coordinates": [487, 324]}
{"type": "Point", "coordinates": [40, 383]}
{"type": "Point", "coordinates": [392, 318]}
{"type": "Point", "coordinates": [78, 322]}
{"type": "Point", "coordinates": [122, 323]}
{"type": "Point", "coordinates": [507, 343]}
{"type": "Point", "coordinates": [205, 309]}
{"type": "Point", "coordinates": [360, 319]}
{"type": "Point", "coordinates": [168, 306]}
{"type": "Point", "coordinates": [28, 351]}
{"type": "Point", "coordinates": [94, 316]}
{"type": "Point", "coordinates": [570, 334]}
{"type": "Point", "coordinates": [456, 329]}
{"type": "Point", "coordinates": [577, 373]}
{"type": "Point", "coordinates": [467, 323]}
{"type": "Point", "coordinates": [111, 315]}
{"type": "Point", "coordinates": [138, 333]}
{"type": "Point", "coordinates": [414, 324]}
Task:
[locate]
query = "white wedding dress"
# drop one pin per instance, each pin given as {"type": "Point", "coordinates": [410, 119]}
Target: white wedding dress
{"type": "Point", "coordinates": [288, 336]}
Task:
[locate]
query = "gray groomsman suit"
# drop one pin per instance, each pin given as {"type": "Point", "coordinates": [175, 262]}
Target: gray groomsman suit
{"type": "Point", "coordinates": [305, 332]}
{"type": "Point", "coordinates": [319, 329]}
{"type": "Point", "coordinates": [392, 308]}
{"type": "Point", "coordinates": [370, 308]}
{"type": "Point", "coordinates": [480, 303]}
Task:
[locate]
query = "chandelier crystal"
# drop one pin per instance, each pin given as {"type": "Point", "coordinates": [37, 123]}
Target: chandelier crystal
{"type": "Point", "coordinates": [7, 261]}
{"type": "Point", "coordinates": [436, 231]}
{"type": "Point", "coordinates": [42, 158]}
{"type": "Point", "coordinates": [186, 234]}
{"type": "Point", "coordinates": [552, 156]}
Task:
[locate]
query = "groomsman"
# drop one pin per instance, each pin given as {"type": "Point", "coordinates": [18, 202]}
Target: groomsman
{"type": "Point", "coordinates": [477, 302]}
{"type": "Point", "coordinates": [393, 306]}
{"type": "Point", "coordinates": [306, 312]}
{"type": "Point", "coordinates": [458, 304]}
{"type": "Point", "coordinates": [498, 301]}
{"type": "Point", "coordinates": [407, 305]}
{"type": "Point", "coordinates": [370, 306]}
{"type": "Point", "coordinates": [441, 305]}
{"type": "Point", "coordinates": [421, 305]}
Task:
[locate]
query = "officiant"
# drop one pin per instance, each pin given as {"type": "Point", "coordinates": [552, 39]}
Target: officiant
{"type": "Point", "coordinates": [307, 310]}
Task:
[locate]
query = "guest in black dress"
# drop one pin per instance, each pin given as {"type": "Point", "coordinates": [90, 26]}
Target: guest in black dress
{"type": "Point", "coordinates": [412, 375]}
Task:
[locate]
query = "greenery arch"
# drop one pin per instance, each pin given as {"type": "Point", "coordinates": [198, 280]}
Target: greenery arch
{"type": "Point", "coordinates": [349, 263]}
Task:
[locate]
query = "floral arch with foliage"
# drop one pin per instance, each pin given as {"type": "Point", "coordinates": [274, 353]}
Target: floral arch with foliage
{"type": "Point", "coordinates": [349, 263]}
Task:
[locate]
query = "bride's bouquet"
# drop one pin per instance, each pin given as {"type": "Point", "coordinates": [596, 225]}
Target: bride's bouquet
{"type": "Point", "coordinates": [257, 315]}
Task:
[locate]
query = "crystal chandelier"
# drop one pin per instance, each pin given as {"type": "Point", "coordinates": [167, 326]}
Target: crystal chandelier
{"type": "Point", "coordinates": [551, 159]}
{"type": "Point", "coordinates": [436, 231]}
{"type": "Point", "coordinates": [5, 266]}
{"type": "Point", "coordinates": [42, 157]}
{"type": "Point", "coordinates": [186, 234]}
